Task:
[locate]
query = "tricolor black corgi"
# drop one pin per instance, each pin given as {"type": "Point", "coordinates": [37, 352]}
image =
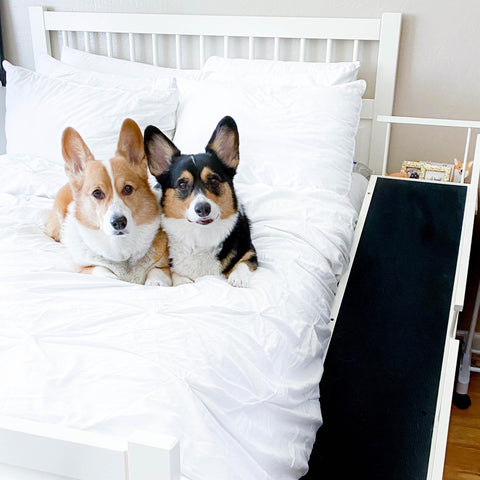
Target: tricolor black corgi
{"type": "Point", "coordinates": [208, 232]}
{"type": "Point", "coordinates": [107, 215]}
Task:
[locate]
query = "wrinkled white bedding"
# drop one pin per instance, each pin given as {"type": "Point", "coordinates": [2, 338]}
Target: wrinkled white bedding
{"type": "Point", "coordinates": [233, 373]}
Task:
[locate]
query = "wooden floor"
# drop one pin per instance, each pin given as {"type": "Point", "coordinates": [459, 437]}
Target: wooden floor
{"type": "Point", "coordinates": [463, 449]}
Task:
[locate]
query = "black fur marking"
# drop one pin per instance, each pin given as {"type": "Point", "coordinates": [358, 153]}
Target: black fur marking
{"type": "Point", "coordinates": [182, 163]}
{"type": "Point", "coordinates": [239, 242]}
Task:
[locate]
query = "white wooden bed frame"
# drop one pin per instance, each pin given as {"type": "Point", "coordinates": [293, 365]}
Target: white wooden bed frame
{"type": "Point", "coordinates": [30, 450]}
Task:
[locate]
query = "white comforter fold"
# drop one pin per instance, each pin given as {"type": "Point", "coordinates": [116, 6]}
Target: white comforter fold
{"type": "Point", "coordinates": [233, 373]}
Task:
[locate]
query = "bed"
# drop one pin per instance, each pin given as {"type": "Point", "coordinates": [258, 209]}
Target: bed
{"type": "Point", "coordinates": [105, 379]}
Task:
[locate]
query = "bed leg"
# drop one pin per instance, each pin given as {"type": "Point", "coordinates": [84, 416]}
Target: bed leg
{"type": "Point", "coordinates": [153, 457]}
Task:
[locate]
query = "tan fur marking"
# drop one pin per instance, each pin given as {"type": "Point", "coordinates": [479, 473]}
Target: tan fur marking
{"type": "Point", "coordinates": [224, 200]}
{"type": "Point", "coordinates": [86, 270]}
{"type": "Point", "coordinates": [161, 256]}
{"type": "Point", "coordinates": [186, 175]}
{"type": "Point", "coordinates": [226, 261]}
{"type": "Point", "coordinates": [225, 145]}
{"type": "Point", "coordinates": [53, 225]}
{"type": "Point", "coordinates": [206, 172]}
{"type": "Point", "coordinates": [247, 260]}
{"type": "Point", "coordinates": [75, 153]}
{"type": "Point", "coordinates": [130, 143]}
{"type": "Point", "coordinates": [175, 207]}
{"type": "Point", "coordinates": [160, 245]}
{"type": "Point", "coordinates": [142, 201]}
{"type": "Point", "coordinates": [88, 210]}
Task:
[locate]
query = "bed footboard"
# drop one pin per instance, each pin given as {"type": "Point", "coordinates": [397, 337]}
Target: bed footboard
{"type": "Point", "coordinates": [31, 450]}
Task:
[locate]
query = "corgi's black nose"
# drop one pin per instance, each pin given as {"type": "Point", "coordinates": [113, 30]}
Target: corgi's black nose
{"type": "Point", "coordinates": [202, 209]}
{"type": "Point", "coordinates": [118, 223]}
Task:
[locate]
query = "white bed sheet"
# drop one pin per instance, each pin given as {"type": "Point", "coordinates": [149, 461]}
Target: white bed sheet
{"type": "Point", "coordinates": [233, 373]}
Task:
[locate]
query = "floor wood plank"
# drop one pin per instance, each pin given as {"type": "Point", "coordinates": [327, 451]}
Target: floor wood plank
{"type": "Point", "coordinates": [462, 460]}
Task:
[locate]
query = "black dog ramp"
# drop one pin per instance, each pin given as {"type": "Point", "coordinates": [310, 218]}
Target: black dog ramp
{"type": "Point", "coordinates": [379, 389]}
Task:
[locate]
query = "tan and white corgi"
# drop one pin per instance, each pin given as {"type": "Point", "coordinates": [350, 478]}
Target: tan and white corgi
{"type": "Point", "coordinates": [107, 215]}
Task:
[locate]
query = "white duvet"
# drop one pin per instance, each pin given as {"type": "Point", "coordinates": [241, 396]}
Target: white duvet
{"type": "Point", "coordinates": [233, 373]}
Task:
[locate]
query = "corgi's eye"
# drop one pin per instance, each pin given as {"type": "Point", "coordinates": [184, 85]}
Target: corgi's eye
{"type": "Point", "coordinates": [182, 184]}
{"type": "Point", "coordinates": [127, 190]}
{"type": "Point", "coordinates": [213, 182]}
{"type": "Point", "coordinates": [98, 194]}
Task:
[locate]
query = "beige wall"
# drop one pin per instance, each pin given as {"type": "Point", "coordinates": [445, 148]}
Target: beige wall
{"type": "Point", "coordinates": [439, 65]}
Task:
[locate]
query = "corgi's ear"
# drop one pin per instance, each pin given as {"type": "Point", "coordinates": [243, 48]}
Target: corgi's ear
{"type": "Point", "coordinates": [458, 163]}
{"type": "Point", "coordinates": [130, 142]}
{"type": "Point", "coordinates": [224, 142]}
{"type": "Point", "coordinates": [159, 149]}
{"type": "Point", "coordinates": [75, 152]}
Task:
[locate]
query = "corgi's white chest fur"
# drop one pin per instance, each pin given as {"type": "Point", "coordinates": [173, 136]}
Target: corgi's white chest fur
{"type": "Point", "coordinates": [129, 257]}
{"type": "Point", "coordinates": [194, 248]}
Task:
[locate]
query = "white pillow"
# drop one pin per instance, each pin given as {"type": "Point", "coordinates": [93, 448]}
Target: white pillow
{"type": "Point", "coordinates": [39, 107]}
{"type": "Point", "coordinates": [99, 63]}
{"type": "Point", "coordinates": [48, 65]}
{"type": "Point", "coordinates": [285, 72]}
{"type": "Point", "coordinates": [289, 136]}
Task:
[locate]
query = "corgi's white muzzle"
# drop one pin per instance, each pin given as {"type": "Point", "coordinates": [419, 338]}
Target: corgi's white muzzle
{"type": "Point", "coordinates": [202, 210]}
{"type": "Point", "coordinates": [118, 220]}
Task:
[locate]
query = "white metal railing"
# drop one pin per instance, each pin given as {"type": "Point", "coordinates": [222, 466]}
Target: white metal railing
{"type": "Point", "coordinates": [436, 122]}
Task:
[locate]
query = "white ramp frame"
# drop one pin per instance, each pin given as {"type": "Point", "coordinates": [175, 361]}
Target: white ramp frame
{"type": "Point", "coordinates": [385, 31]}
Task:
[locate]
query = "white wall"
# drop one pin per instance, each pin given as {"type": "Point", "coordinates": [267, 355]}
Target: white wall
{"type": "Point", "coordinates": [439, 71]}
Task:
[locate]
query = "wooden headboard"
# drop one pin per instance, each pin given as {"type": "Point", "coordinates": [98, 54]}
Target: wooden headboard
{"type": "Point", "coordinates": [185, 41]}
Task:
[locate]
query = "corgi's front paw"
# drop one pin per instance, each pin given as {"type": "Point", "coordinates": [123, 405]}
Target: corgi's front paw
{"type": "Point", "coordinates": [180, 279]}
{"type": "Point", "coordinates": [158, 278]}
{"type": "Point", "coordinates": [240, 276]}
{"type": "Point", "coordinates": [103, 272]}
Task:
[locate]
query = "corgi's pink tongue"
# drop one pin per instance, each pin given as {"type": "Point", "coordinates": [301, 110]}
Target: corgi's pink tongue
{"type": "Point", "coordinates": [204, 222]}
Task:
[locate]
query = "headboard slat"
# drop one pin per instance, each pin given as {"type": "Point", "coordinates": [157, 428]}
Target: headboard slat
{"type": "Point", "coordinates": [328, 57]}
{"type": "Point", "coordinates": [276, 48]}
{"type": "Point", "coordinates": [251, 48]}
{"type": "Point", "coordinates": [154, 49]}
{"type": "Point", "coordinates": [178, 51]}
{"type": "Point", "coordinates": [226, 46]}
{"type": "Point", "coordinates": [109, 44]}
{"type": "Point", "coordinates": [356, 44]}
{"type": "Point", "coordinates": [131, 47]}
{"type": "Point", "coordinates": [86, 41]}
{"type": "Point", "coordinates": [301, 57]}
{"type": "Point", "coordinates": [202, 50]}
